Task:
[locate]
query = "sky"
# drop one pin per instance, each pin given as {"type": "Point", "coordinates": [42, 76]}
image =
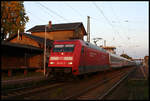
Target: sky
{"type": "Point", "coordinates": [122, 24]}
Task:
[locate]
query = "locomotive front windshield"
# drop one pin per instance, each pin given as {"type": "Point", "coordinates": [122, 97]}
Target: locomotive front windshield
{"type": "Point", "coordinates": [63, 48]}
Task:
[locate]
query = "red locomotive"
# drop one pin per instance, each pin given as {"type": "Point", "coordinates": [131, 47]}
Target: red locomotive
{"type": "Point", "coordinates": [77, 57]}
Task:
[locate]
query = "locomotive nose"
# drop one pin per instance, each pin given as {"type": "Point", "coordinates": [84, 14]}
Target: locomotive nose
{"type": "Point", "coordinates": [61, 60]}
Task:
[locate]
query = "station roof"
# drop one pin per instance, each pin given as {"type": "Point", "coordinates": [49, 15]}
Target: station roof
{"type": "Point", "coordinates": [36, 38]}
{"type": "Point", "coordinates": [19, 46]}
{"type": "Point", "coordinates": [57, 27]}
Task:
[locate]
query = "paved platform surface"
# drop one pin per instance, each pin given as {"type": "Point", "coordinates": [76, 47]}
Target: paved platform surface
{"type": "Point", "coordinates": [22, 78]}
{"type": "Point", "coordinates": [134, 88]}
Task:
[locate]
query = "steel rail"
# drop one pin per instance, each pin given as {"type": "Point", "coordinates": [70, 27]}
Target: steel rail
{"type": "Point", "coordinates": [90, 88]}
{"type": "Point", "coordinates": [4, 91]}
{"type": "Point", "coordinates": [101, 97]}
{"type": "Point", "coordinates": [22, 93]}
{"type": "Point", "coordinates": [20, 81]}
{"type": "Point", "coordinates": [30, 78]}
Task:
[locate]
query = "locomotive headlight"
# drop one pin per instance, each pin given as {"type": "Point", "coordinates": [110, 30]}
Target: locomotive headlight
{"type": "Point", "coordinates": [70, 63]}
{"type": "Point", "coordinates": [67, 58]}
{"type": "Point", "coordinates": [53, 58]}
{"type": "Point", "coordinates": [51, 63]}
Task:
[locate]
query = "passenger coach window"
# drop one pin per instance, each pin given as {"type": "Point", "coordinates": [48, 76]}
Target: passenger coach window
{"type": "Point", "coordinates": [63, 48]}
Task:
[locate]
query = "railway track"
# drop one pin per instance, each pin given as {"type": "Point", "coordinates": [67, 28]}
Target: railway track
{"type": "Point", "coordinates": [28, 86]}
{"type": "Point", "coordinates": [86, 93]}
{"type": "Point", "coordinates": [21, 84]}
{"type": "Point", "coordinates": [25, 91]}
{"type": "Point", "coordinates": [35, 93]}
{"type": "Point", "coordinates": [101, 97]}
{"type": "Point", "coordinates": [19, 81]}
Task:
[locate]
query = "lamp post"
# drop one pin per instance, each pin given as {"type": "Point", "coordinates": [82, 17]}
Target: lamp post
{"type": "Point", "coordinates": [45, 52]}
{"type": "Point", "coordinates": [46, 26]}
{"type": "Point", "coordinates": [88, 29]}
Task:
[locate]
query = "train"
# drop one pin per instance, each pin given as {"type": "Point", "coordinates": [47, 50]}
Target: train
{"type": "Point", "coordinates": [77, 57]}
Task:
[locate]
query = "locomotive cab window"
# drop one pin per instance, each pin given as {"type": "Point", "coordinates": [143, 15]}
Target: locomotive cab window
{"type": "Point", "coordinates": [63, 48]}
{"type": "Point", "coordinates": [58, 48]}
{"type": "Point", "coordinates": [69, 48]}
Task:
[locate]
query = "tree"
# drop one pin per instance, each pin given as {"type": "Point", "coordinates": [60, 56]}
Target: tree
{"type": "Point", "coordinates": [126, 56]}
{"type": "Point", "coordinates": [13, 17]}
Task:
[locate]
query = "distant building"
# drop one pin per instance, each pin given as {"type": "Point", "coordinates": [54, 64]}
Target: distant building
{"type": "Point", "coordinates": [64, 31]}
{"type": "Point", "coordinates": [109, 49]}
{"type": "Point", "coordinates": [138, 60]}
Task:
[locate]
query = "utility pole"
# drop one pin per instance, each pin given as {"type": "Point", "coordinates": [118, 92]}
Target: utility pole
{"type": "Point", "coordinates": [104, 43]}
{"type": "Point", "coordinates": [45, 55]}
{"type": "Point", "coordinates": [45, 52]}
{"type": "Point", "coordinates": [88, 29]}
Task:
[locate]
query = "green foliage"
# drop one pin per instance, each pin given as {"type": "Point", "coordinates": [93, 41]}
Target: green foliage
{"type": "Point", "coordinates": [13, 17]}
{"type": "Point", "coordinates": [126, 56]}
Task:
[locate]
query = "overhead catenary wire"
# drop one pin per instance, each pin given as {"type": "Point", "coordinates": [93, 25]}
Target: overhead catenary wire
{"type": "Point", "coordinates": [120, 25]}
{"type": "Point", "coordinates": [109, 22]}
{"type": "Point", "coordinates": [74, 9]}
{"type": "Point", "coordinates": [117, 19]}
{"type": "Point", "coordinates": [53, 12]}
{"type": "Point", "coordinates": [99, 9]}
{"type": "Point", "coordinates": [47, 12]}
{"type": "Point", "coordinates": [116, 32]}
{"type": "Point", "coordinates": [104, 17]}
{"type": "Point", "coordinates": [81, 15]}
{"type": "Point", "coordinates": [35, 16]}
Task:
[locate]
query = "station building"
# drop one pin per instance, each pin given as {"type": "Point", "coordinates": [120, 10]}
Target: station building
{"type": "Point", "coordinates": [32, 53]}
{"type": "Point", "coordinates": [64, 31]}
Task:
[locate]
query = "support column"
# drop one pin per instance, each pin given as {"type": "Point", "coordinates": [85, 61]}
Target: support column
{"type": "Point", "coordinates": [9, 73]}
{"type": "Point", "coordinates": [25, 71]}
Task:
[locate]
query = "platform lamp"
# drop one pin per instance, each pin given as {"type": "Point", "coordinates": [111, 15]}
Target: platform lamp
{"type": "Point", "coordinates": [46, 26]}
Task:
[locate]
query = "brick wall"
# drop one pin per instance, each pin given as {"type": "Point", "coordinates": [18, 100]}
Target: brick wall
{"type": "Point", "coordinates": [57, 35]}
